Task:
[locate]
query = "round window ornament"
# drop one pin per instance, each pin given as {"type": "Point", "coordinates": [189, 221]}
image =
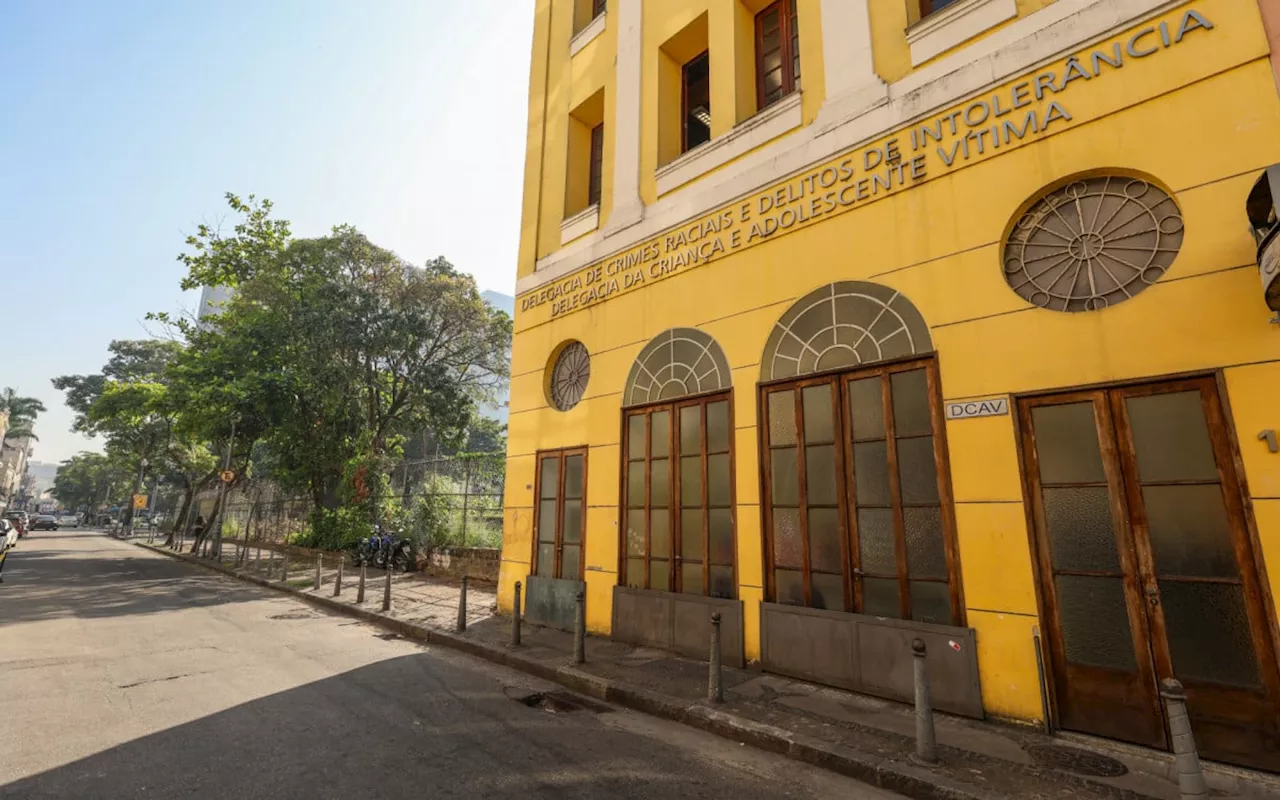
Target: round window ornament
{"type": "Point", "coordinates": [1093, 243]}
{"type": "Point", "coordinates": [569, 376]}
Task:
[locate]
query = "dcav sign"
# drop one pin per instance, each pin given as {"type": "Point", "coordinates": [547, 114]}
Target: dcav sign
{"type": "Point", "coordinates": [989, 407]}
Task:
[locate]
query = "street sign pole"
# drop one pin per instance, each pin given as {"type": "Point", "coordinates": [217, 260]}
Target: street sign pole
{"type": "Point", "coordinates": [227, 476]}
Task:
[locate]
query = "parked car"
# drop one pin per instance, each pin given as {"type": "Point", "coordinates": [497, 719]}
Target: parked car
{"type": "Point", "coordinates": [44, 522]}
{"type": "Point", "coordinates": [9, 532]}
{"type": "Point", "coordinates": [69, 521]}
{"type": "Point", "coordinates": [19, 520]}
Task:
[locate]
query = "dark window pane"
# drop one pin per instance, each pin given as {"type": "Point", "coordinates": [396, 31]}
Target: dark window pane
{"type": "Point", "coordinates": [1095, 622]}
{"type": "Point", "coordinates": [1067, 444]}
{"type": "Point", "coordinates": [659, 482]}
{"type": "Point", "coordinates": [876, 545]}
{"type": "Point", "coordinates": [930, 602]}
{"type": "Point", "coordinates": [635, 484]}
{"type": "Point", "coordinates": [550, 477]}
{"type": "Point", "coordinates": [1208, 629]}
{"type": "Point", "coordinates": [570, 563]}
{"type": "Point", "coordinates": [547, 521]}
{"type": "Point", "coordinates": [573, 476]}
{"type": "Point", "coordinates": [880, 597]}
{"type": "Point", "coordinates": [824, 540]}
{"type": "Point", "coordinates": [820, 474]}
{"type": "Point", "coordinates": [598, 7]}
{"type": "Point", "coordinates": [572, 521]}
{"type": "Point", "coordinates": [718, 493]}
{"type": "Point", "coordinates": [917, 471]}
{"type": "Point", "coordinates": [772, 59]}
{"type": "Point", "coordinates": [720, 522]}
{"type": "Point", "coordinates": [926, 553]}
{"type": "Point", "coordinates": [546, 560]}
{"type": "Point", "coordinates": [635, 533]}
{"type": "Point", "coordinates": [718, 427]}
{"type": "Point", "coordinates": [789, 585]}
{"type": "Point", "coordinates": [772, 82]}
{"type": "Point", "coordinates": [691, 481]}
{"type": "Point", "coordinates": [635, 573]}
{"type": "Point", "coordinates": [659, 577]}
{"type": "Point", "coordinates": [659, 433]}
{"type": "Point", "coordinates": [660, 533]}
{"type": "Point", "coordinates": [818, 426]}
{"type": "Point", "coordinates": [691, 429]}
{"type": "Point", "coordinates": [721, 582]}
{"type": "Point", "coordinates": [785, 477]}
{"type": "Point", "coordinates": [769, 18]}
{"type": "Point", "coordinates": [635, 436]}
{"type": "Point", "coordinates": [782, 418]}
{"type": "Point", "coordinates": [691, 533]}
{"type": "Point", "coordinates": [1081, 534]}
{"type": "Point", "coordinates": [786, 537]}
{"type": "Point", "coordinates": [871, 473]}
{"type": "Point", "coordinates": [911, 403]}
{"type": "Point", "coordinates": [866, 408]}
{"type": "Point", "coordinates": [1170, 437]}
{"type": "Point", "coordinates": [1189, 531]}
{"type": "Point", "coordinates": [594, 179]}
{"type": "Point", "coordinates": [827, 591]}
{"type": "Point", "coordinates": [691, 578]}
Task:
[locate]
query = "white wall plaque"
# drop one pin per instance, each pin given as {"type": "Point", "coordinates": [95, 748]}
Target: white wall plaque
{"type": "Point", "coordinates": [985, 407]}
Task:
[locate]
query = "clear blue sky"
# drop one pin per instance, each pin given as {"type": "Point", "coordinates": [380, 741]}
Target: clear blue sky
{"type": "Point", "coordinates": [122, 123]}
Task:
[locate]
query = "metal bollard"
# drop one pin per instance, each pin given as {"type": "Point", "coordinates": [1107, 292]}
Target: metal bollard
{"type": "Point", "coordinates": [319, 567]}
{"type": "Point", "coordinates": [386, 591]}
{"type": "Point", "coordinates": [580, 629]}
{"type": "Point", "coordinates": [515, 618]}
{"type": "Point", "coordinates": [337, 581]}
{"type": "Point", "coordinates": [360, 588]}
{"type": "Point", "coordinates": [1191, 783]}
{"type": "Point", "coordinates": [926, 741]}
{"type": "Point", "coordinates": [271, 564]}
{"type": "Point", "coordinates": [715, 685]}
{"type": "Point", "coordinates": [257, 559]}
{"type": "Point", "coordinates": [284, 567]}
{"type": "Point", "coordinates": [462, 606]}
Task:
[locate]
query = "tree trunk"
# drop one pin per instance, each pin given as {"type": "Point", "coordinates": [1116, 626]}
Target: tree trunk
{"type": "Point", "coordinates": [188, 493]}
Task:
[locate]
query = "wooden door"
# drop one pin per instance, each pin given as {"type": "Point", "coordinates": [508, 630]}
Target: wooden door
{"type": "Point", "coordinates": [1146, 568]}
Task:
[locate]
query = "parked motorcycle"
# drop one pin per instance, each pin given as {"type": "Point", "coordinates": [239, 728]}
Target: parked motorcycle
{"type": "Point", "coordinates": [385, 548]}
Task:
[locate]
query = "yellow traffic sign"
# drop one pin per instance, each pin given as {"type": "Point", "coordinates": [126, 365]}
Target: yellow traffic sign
{"type": "Point", "coordinates": [227, 476]}
{"type": "Point", "coordinates": [139, 501]}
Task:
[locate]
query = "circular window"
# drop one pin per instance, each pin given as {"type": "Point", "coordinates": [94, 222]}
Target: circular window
{"type": "Point", "coordinates": [569, 376]}
{"type": "Point", "coordinates": [1093, 243]}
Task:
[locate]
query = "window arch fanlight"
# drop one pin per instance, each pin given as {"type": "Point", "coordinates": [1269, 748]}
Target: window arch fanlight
{"type": "Point", "coordinates": [842, 326]}
{"type": "Point", "coordinates": [681, 362]}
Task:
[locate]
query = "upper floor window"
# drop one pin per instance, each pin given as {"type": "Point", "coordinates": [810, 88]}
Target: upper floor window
{"type": "Point", "coordinates": [778, 52]}
{"type": "Point", "coordinates": [927, 7]}
{"type": "Point", "coordinates": [696, 101]}
{"type": "Point", "coordinates": [585, 12]}
{"type": "Point", "coordinates": [596, 164]}
{"type": "Point", "coordinates": [597, 6]}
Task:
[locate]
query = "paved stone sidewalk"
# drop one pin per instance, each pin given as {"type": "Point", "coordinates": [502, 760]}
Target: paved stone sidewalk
{"type": "Point", "coordinates": [855, 734]}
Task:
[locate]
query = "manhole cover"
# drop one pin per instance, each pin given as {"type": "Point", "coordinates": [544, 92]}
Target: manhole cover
{"type": "Point", "coordinates": [1081, 762]}
{"type": "Point", "coordinates": [562, 703]}
{"type": "Point", "coordinates": [293, 615]}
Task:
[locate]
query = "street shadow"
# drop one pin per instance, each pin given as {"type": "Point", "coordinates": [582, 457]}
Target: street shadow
{"type": "Point", "coordinates": [92, 583]}
{"type": "Point", "coordinates": [414, 726]}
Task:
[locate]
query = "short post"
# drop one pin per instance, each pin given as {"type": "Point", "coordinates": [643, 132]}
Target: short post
{"type": "Point", "coordinates": [360, 589]}
{"type": "Point", "coordinates": [337, 581]}
{"type": "Point", "coordinates": [1191, 783]}
{"type": "Point", "coordinates": [271, 564]}
{"type": "Point", "coordinates": [462, 606]}
{"type": "Point", "coordinates": [715, 686]}
{"type": "Point", "coordinates": [257, 559]}
{"type": "Point", "coordinates": [319, 567]}
{"type": "Point", "coordinates": [926, 741]}
{"type": "Point", "coordinates": [386, 591]}
{"type": "Point", "coordinates": [515, 618]}
{"type": "Point", "coordinates": [284, 566]}
{"type": "Point", "coordinates": [580, 629]}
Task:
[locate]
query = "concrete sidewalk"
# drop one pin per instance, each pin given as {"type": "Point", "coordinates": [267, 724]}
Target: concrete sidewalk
{"type": "Point", "coordinates": [864, 737]}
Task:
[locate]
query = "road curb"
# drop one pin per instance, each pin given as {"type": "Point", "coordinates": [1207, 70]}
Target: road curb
{"type": "Point", "coordinates": [896, 776]}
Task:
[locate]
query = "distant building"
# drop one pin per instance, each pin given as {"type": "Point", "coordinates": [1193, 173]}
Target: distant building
{"type": "Point", "coordinates": [13, 465]}
{"type": "Point", "coordinates": [43, 474]}
{"type": "Point", "coordinates": [211, 300]}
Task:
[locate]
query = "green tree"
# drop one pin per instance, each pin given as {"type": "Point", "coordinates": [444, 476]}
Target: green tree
{"type": "Point", "coordinates": [22, 414]}
{"type": "Point", "coordinates": [89, 480]}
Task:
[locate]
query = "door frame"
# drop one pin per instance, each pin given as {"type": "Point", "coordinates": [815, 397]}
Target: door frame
{"type": "Point", "coordinates": [561, 453]}
{"type": "Point", "coordinates": [1232, 446]}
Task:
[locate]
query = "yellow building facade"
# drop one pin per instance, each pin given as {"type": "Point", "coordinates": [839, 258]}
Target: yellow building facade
{"type": "Point", "coordinates": [861, 321]}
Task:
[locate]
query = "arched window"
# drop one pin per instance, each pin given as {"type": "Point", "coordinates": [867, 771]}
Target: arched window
{"type": "Point", "coordinates": [677, 453]}
{"type": "Point", "coordinates": [857, 499]}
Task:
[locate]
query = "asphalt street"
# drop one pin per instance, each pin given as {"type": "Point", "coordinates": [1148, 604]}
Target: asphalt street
{"type": "Point", "coordinates": [126, 674]}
